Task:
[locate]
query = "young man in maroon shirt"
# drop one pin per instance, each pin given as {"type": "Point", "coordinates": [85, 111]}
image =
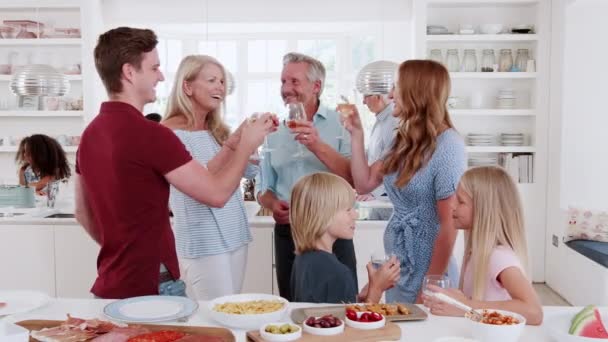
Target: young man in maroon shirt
{"type": "Point", "coordinates": [124, 166]}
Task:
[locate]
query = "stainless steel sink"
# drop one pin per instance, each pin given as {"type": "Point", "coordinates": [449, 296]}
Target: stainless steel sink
{"type": "Point", "coordinates": [61, 215]}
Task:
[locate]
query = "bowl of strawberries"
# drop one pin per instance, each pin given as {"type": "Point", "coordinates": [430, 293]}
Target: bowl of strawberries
{"type": "Point", "coordinates": [365, 320]}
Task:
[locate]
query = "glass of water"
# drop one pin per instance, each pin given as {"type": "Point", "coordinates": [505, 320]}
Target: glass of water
{"type": "Point", "coordinates": [378, 258]}
{"type": "Point", "coordinates": [438, 280]}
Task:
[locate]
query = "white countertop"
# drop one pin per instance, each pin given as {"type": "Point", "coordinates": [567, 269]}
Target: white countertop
{"type": "Point", "coordinates": [432, 328]}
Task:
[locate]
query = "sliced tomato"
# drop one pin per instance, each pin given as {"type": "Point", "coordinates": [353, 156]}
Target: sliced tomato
{"type": "Point", "coordinates": [158, 336]}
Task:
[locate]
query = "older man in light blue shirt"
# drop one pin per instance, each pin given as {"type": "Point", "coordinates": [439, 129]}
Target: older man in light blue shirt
{"type": "Point", "coordinates": [302, 80]}
{"type": "Point", "coordinates": [381, 138]}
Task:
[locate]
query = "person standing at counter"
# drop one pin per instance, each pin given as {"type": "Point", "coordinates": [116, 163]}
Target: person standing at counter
{"type": "Point", "coordinates": [302, 80]}
{"type": "Point", "coordinates": [42, 164]}
{"type": "Point", "coordinates": [380, 139]}
{"type": "Point", "coordinates": [420, 173]}
{"type": "Point", "coordinates": [211, 242]}
{"type": "Point", "coordinates": [124, 165]}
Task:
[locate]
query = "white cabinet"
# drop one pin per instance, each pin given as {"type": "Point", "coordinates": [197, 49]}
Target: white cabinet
{"type": "Point", "coordinates": [259, 271]}
{"type": "Point", "coordinates": [75, 262]}
{"type": "Point", "coordinates": [27, 259]}
{"type": "Point", "coordinates": [477, 95]}
{"type": "Point", "coordinates": [368, 239]}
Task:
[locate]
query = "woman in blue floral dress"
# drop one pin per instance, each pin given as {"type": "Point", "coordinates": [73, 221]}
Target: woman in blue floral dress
{"type": "Point", "coordinates": [420, 172]}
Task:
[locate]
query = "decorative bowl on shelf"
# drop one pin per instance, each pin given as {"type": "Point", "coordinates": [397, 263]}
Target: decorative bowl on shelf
{"type": "Point", "coordinates": [491, 28]}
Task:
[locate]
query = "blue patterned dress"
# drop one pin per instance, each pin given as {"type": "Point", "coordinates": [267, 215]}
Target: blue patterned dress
{"type": "Point", "coordinates": [414, 225]}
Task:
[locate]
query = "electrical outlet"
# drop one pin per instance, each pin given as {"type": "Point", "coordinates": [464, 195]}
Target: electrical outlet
{"type": "Point", "coordinates": [555, 240]}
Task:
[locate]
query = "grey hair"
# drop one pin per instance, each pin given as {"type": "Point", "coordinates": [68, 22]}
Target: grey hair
{"type": "Point", "coordinates": [316, 70]}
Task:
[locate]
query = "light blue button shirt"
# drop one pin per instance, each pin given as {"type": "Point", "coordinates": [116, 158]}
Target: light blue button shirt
{"type": "Point", "coordinates": [280, 170]}
{"type": "Point", "coordinates": [381, 138]}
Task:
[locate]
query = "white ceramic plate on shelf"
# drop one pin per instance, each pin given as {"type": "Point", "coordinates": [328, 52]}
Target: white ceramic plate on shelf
{"type": "Point", "coordinates": [21, 301]}
{"type": "Point", "coordinates": [151, 309]}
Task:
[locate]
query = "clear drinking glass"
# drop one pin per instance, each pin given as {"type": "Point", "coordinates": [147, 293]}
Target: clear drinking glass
{"type": "Point", "coordinates": [436, 55]}
{"type": "Point", "coordinates": [452, 60]}
{"type": "Point", "coordinates": [521, 61]}
{"type": "Point", "coordinates": [469, 63]}
{"type": "Point", "coordinates": [264, 148]}
{"type": "Point", "coordinates": [438, 280]}
{"type": "Point", "coordinates": [506, 60]}
{"type": "Point", "coordinates": [295, 113]}
{"type": "Point", "coordinates": [378, 258]}
{"type": "Point", "coordinates": [488, 60]}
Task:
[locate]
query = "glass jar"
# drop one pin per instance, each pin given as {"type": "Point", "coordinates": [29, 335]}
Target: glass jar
{"type": "Point", "coordinates": [488, 61]}
{"type": "Point", "coordinates": [521, 61]}
{"type": "Point", "coordinates": [469, 63]}
{"type": "Point", "coordinates": [436, 55]}
{"type": "Point", "coordinates": [452, 60]}
{"type": "Point", "coordinates": [506, 60]}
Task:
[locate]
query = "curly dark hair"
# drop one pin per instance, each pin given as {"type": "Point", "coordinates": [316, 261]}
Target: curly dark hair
{"type": "Point", "coordinates": [46, 155]}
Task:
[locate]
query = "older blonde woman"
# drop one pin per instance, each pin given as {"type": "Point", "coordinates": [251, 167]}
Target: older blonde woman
{"type": "Point", "coordinates": [211, 242]}
{"type": "Point", "coordinates": [420, 173]}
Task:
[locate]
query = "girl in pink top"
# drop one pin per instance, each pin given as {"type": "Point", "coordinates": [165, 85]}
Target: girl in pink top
{"type": "Point", "coordinates": [489, 209]}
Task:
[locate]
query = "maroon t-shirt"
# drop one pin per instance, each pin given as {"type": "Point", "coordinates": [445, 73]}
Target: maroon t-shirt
{"type": "Point", "coordinates": [122, 160]}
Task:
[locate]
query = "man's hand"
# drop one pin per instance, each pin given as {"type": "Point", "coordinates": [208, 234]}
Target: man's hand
{"type": "Point", "coordinates": [280, 212]}
{"type": "Point", "coordinates": [307, 135]}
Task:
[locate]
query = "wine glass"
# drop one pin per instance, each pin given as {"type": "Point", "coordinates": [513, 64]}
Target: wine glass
{"type": "Point", "coordinates": [345, 109]}
{"type": "Point", "coordinates": [264, 148]}
{"type": "Point", "coordinates": [295, 113]}
{"type": "Point", "coordinates": [438, 280]}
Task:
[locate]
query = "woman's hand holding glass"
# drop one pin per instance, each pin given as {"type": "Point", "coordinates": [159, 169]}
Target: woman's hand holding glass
{"type": "Point", "coordinates": [255, 130]}
{"type": "Point", "coordinates": [441, 308]}
{"type": "Point", "coordinates": [349, 116]}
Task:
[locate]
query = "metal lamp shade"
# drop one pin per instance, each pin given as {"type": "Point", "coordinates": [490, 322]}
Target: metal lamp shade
{"type": "Point", "coordinates": [377, 78]}
{"type": "Point", "coordinates": [230, 85]}
{"type": "Point", "coordinates": [39, 80]}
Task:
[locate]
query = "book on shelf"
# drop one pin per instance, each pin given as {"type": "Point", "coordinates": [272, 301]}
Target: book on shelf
{"type": "Point", "coordinates": [519, 165]}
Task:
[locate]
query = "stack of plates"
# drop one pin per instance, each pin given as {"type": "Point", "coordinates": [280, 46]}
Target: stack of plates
{"type": "Point", "coordinates": [505, 99]}
{"type": "Point", "coordinates": [512, 139]}
{"type": "Point", "coordinates": [483, 160]}
{"type": "Point", "coordinates": [436, 29]}
{"type": "Point", "coordinates": [476, 139]}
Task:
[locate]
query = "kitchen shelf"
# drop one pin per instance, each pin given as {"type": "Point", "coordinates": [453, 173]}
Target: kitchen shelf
{"type": "Point", "coordinates": [13, 149]}
{"type": "Point", "coordinates": [41, 41]}
{"type": "Point", "coordinates": [41, 113]}
{"type": "Point", "coordinates": [481, 37]}
{"type": "Point", "coordinates": [7, 78]}
{"type": "Point", "coordinates": [492, 112]}
{"type": "Point", "coordinates": [500, 149]}
{"type": "Point", "coordinates": [491, 75]}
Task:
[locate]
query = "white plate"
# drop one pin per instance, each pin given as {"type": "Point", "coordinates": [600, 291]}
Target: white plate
{"type": "Point", "coordinates": [21, 301]}
{"type": "Point", "coordinates": [559, 324]}
{"type": "Point", "coordinates": [151, 309]}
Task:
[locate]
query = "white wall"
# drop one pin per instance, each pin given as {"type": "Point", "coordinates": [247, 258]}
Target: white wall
{"type": "Point", "coordinates": [584, 160]}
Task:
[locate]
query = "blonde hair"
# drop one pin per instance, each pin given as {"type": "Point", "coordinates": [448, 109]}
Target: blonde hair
{"type": "Point", "coordinates": [315, 200]}
{"type": "Point", "coordinates": [497, 221]}
{"type": "Point", "coordinates": [180, 104]}
{"type": "Point", "coordinates": [421, 90]}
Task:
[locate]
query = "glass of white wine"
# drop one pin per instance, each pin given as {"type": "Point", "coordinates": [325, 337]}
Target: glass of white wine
{"type": "Point", "coordinates": [295, 113]}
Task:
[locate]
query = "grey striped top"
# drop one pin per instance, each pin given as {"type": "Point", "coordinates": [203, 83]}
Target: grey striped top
{"type": "Point", "coordinates": [201, 230]}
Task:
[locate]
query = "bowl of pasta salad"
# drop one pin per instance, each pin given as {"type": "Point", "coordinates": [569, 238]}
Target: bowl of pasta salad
{"type": "Point", "coordinates": [248, 310]}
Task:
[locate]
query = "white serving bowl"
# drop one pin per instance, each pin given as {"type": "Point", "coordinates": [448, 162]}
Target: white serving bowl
{"type": "Point", "coordinates": [365, 325]}
{"type": "Point", "coordinates": [498, 333]}
{"type": "Point", "coordinates": [323, 331]}
{"type": "Point", "coordinates": [491, 28]}
{"type": "Point", "coordinates": [247, 321]}
{"type": "Point", "coordinates": [280, 337]}
{"type": "Point", "coordinates": [558, 326]}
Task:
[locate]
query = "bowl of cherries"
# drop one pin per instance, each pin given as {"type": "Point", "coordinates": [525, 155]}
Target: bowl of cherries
{"type": "Point", "coordinates": [365, 320]}
{"type": "Point", "coordinates": [326, 325]}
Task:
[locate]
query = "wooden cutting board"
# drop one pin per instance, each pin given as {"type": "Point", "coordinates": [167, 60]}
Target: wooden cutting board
{"type": "Point", "coordinates": [390, 332]}
{"type": "Point", "coordinates": [211, 331]}
{"type": "Point", "coordinates": [299, 315]}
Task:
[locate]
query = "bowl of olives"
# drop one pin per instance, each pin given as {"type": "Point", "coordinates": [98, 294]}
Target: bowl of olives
{"type": "Point", "coordinates": [325, 326]}
{"type": "Point", "coordinates": [280, 332]}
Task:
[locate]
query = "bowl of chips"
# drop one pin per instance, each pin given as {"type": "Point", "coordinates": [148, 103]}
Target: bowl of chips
{"type": "Point", "coordinates": [248, 310]}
